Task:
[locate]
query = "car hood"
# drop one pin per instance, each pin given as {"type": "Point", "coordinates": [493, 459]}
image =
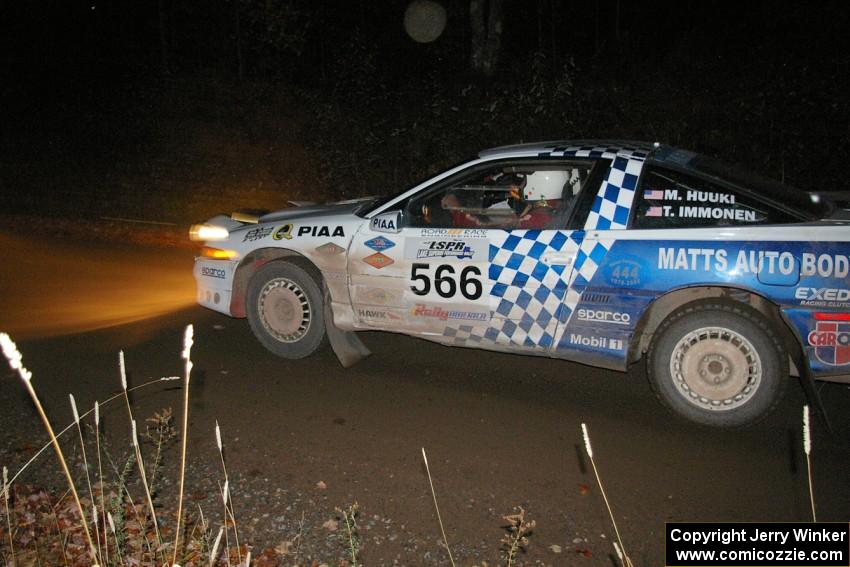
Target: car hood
{"type": "Point", "coordinates": [340, 208]}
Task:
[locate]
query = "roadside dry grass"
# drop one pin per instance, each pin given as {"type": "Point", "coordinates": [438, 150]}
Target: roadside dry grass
{"type": "Point", "coordinates": [123, 520]}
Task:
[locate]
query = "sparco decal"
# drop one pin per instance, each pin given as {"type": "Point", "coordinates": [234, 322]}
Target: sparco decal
{"type": "Point", "coordinates": [831, 342]}
{"type": "Point", "coordinates": [213, 272]}
{"type": "Point", "coordinates": [603, 316]}
{"type": "Point", "coordinates": [596, 342]}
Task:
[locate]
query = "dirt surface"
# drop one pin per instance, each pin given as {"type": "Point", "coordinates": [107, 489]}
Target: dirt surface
{"type": "Point", "coordinates": [305, 437]}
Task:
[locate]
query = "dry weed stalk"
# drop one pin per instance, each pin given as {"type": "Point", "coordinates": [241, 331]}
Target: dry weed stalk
{"type": "Point", "coordinates": [86, 466]}
{"type": "Point", "coordinates": [102, 519]}
{"type": "Point", "coordinates": [516, 540]}
{"type": "Point", "coordinates": [627, 561]}
{"type": "Point", "coordinates": [10, 350]}
{"type": "Point", "coordinates": [349, 515]}
{"type": "Point", "coordinates": [115, 535]}
{"type": "Point", "coordinates": [49, 444]}
{"type": "Point", "coordinates": [214, 551]}
{"type": "Point", "coordinates": [187, 356]}
{"type": "Point", "coordinates": [437, 508]}
{"type": "Point", "coordinates": [226, 495]}
{"type": "Point", "coordinates": [8, 515]}
{"type": "Point", "coordinates": [619, 552]}
{"type": "Point", "coordinates": [807, 448]}
{"type": "Point", "coordinates": [163, 433]}
{"type": "Point", "coordinates": [139, 462]}
{"type": "Point", "coordinates": [224, 492]}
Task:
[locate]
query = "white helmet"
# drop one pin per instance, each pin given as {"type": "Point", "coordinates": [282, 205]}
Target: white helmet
{"type": "Point", "coordinates": [546, 185]}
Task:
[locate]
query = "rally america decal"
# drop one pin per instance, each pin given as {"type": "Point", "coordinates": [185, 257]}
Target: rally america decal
{"type": "Point", "coordinates": [831, 342]}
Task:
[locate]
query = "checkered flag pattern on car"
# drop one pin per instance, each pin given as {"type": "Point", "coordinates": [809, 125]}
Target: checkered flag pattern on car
{"type": "Point", "coordinates": [610, 210]}
{"type": "Point", "coordinates": [531, 301]}
{"type": "Point", "coordinates": [529, 298]}
{"type": "Point", "coordinates": [527, 294]}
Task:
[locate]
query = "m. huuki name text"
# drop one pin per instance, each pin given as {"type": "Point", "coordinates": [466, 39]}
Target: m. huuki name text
{"type": "Point", "coordinates": [753, 261]}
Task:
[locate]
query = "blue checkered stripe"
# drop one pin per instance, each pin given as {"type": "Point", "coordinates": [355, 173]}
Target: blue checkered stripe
{"type": "Point", "coordinates": [527, 296]}
{"type": "Point", "coordinates": [613, 202]}
{"type": "Point", "coordinates": [611, 207]}
{"type": "Point", "coordinates": [531, 301]}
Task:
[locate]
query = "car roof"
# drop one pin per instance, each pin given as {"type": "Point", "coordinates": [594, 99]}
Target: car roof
{"type": "Point", "coordinates": [784, 196]}
{"type": "Point", "coordinates": [574, 148]}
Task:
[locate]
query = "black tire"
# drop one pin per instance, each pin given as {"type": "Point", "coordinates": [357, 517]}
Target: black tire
{"type": "Point", "coordinates": [717, 363]}
{"type": "Point", "coordinates": [286, 311]}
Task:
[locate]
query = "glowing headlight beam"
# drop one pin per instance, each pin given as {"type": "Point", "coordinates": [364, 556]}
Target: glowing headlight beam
{"type": "Point", "coordinates": [208, 232]}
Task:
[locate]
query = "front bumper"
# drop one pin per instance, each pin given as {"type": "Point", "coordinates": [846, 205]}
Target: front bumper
{"type": "Point", "coordinates": [214, 280]}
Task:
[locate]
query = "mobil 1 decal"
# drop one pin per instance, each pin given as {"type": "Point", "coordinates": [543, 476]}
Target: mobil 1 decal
{"type": "Point", "coordinates": [445, 247]}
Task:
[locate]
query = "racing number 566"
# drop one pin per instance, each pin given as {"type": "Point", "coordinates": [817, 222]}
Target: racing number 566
{"type": "Point", "coordinates": [445, 283]}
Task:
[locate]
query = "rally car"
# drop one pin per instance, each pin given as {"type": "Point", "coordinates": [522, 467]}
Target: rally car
{"type": "Point", "coordinates": [597, 252]}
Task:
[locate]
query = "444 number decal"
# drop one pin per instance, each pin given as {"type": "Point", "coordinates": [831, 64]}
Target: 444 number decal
{"type": "Point", "coordinates": [446, 282]}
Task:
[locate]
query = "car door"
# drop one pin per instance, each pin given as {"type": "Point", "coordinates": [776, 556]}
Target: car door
{"type": "Point", "coordinates": [471, 262]}
{"type": "Point", "coordinates": [596, 325]}
{"type": "Point", "coordinates": [417, 280]}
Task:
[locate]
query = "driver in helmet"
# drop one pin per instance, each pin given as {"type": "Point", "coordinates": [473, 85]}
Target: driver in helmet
{"type": "Point", "coordinates": [542, 195]}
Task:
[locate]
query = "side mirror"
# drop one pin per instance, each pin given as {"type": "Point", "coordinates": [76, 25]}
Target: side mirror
{"type": "Point", "coordinates": [386, 222]}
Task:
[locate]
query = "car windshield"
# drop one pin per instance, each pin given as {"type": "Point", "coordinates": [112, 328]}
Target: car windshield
{"type": "Point", "coordinates": [796, 200]}
{"type": "Point", "coordinates": [382, 200]}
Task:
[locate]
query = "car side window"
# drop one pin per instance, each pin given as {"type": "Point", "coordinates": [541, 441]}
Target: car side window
{"type": "Point", "coordinates": [670, 199]}
{"type": "Point", "coordinates": [503, 196]}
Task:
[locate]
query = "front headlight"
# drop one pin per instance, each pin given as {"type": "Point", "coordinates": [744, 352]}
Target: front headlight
{"type": "Point", "coordinates": [208, 233]}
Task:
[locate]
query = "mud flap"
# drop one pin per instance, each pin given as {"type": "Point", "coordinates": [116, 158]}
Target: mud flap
{"type": "Point", "coordinates": [347, 346]}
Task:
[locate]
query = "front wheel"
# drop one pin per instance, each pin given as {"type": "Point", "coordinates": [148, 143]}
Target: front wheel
{"type": "Point", "coordinates": [285, 310]}
{"type": "Point", "coordinates": [718, 364]}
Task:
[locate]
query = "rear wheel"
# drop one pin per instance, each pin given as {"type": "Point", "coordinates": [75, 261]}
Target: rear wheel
{"type": "Point", "coordinates": [718, 364]}
{"type": "Point", "coordinates": [285, 310]}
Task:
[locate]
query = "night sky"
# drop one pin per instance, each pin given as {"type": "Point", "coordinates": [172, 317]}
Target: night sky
{"type": "Point", "coordinates": [760, 83]}
{"type": "Point", "coordinates": [65, 44]}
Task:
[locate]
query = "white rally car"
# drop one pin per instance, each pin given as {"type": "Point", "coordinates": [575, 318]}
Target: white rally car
{"type": "Point", "coordinates": [596, 252]}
